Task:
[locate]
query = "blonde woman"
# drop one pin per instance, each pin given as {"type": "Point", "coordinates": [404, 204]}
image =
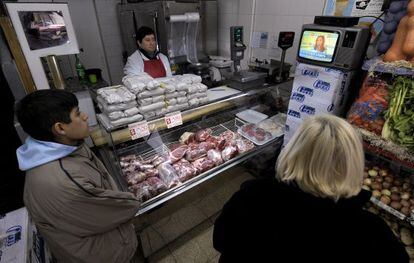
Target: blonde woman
{"type": "Point", "coordinates": [313, 210]}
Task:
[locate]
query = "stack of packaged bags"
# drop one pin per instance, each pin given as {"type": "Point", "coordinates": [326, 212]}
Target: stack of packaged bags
{"type": "Point", "coordinates": [118, 104]}
{"type": "Point", "coordinates": [156, 97]}
{"type": "Point", "coordinates": [142, 96]}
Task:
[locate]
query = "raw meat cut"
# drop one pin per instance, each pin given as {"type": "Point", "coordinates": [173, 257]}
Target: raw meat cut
{"type": "Point", "coordinates": [203, 135]}
{"type": "Point", "coordinates": [134, 178]}
{"type": "Point", "coordinates": [215, 156]}
{"type": "Point", "coordinates": [203, 164]}
{"type": "Point", "coordinates": [167, 175]}
{"type": "Point", "coordinates": [243, 145]}
{"type": "Point", "coordinates": [157, 186]}
{"type": "Point", "coordinates": [229, 152]}
{"type": "Point", "coordinates": [184, 170]}
{"type": "Point", "coordinates": [195, 151]}
{"type": "Point", "coordinates": [177, 152]}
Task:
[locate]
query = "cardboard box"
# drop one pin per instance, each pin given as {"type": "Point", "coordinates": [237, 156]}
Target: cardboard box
{"type": "Point", "coordinates": [20, 242]}
{"type": "Point", "coordinates": [14, 239]}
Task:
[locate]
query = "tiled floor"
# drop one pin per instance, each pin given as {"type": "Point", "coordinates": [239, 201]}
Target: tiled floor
{"type": "Point", "coordinates": [186, 234]}
{"type": "Point", "coordinates": [194, 246]}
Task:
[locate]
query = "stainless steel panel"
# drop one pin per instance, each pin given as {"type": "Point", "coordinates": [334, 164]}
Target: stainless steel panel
{"type": "Point", "coordinates": [154, 14]}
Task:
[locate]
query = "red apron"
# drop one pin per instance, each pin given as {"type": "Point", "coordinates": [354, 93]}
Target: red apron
{"type": "Point", "coordinates": [154, 68]}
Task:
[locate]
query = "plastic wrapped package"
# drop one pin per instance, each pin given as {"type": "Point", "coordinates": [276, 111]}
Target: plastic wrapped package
{"type": "Point", "coordinates": [169, 88]}
{"type": "Point", "coordinates": [175, 94]}
{"type": "Point", "coordinates": [146, 101]}
{"type": "Point", "coordinates": [136, 83]}
{"type": "Point", "coordinates": [115, 107]}
{"type": "Point", "coordinates": [115, 115]}
{"type": "Point", "coordinates": [157, 99]}
{"type": "Point", "coordinates": [203, 100]}
{"type": "Point", "coordinates": [194, 78]}
{"type": "Point", "coordinates": [149, 114]}
{"type": "Point", "coordinates": [196, 95]}
{"type": "Point", "coordinates": [368, 110]}
{"type": "Point", "coordinates": [126, 120]}
{"type": "Point", "coordinates": [165, 80]}
{"type": "Point", "coordinates": [177, 107]}
{"type": "Point", "coordinates": [201, 87]}
{"type": "Point", "coordinates": [161, 112]}
{"type": "Point", "coordinates": [116, 94]}
{"type": "Point", "coordinates": [167, 175]}
{"type": "Point", "coordinates": [131, 112]}
{"type": "Point", "coordinates": [194, 102]}
{"type": "Point", "coordinates": [153, 84]}
{"type": "Point", "coordinates": [184, 79]}
{"type": "Point", "coordinates": [152, 107]}
{"type": "Point", "coordinates": [181, 100]}
{"type": "Point", "coordinates": [181, 86]}
{"type": "Point", "coordinates": [150, 93]}
{"type": "Point", "coordinates": [171, 102]}
{"type": "Point", "coordinates": [191, 89]}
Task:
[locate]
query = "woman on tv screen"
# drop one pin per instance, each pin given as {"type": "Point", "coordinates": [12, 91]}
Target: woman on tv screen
{"type": "Point", "coordinates": [320, 44]}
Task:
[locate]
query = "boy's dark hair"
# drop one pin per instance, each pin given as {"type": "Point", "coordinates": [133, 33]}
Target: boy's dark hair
{"type": "Point", "coordinates": [40, 110]}
{"type": "Point", "coordinates": [142, 32]}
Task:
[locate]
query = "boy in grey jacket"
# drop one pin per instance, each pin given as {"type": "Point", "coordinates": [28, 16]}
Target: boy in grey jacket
{"type": "Point", "coordinates": [74, 202]}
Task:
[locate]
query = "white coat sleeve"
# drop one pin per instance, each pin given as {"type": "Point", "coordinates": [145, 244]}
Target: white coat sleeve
{"type": "Point", "coordinates": [134, 64]}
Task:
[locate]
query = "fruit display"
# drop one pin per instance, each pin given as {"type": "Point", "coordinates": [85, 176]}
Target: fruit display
{"type": "Point", "coordinates": [395, 190]}
{"type": "Point", "coordinates": [390, 188]}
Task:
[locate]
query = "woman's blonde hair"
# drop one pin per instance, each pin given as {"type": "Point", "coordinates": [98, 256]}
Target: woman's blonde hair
{"type": "Point", "coordinates": [324, 157]}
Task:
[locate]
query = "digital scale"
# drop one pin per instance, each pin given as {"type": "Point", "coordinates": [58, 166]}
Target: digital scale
{"type": "Point", "coordinates": [242, 79]}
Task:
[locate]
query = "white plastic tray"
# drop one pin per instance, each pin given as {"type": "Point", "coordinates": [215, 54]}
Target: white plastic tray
{"type": "Point", "coordinates": [252, 138]}
{"type": "Point", "coordinates": [251, 116]}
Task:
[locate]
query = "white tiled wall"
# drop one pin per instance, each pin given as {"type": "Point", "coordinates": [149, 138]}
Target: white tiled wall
{"type": "Point", "coordinates": [111, 37]}
{"type": "Point", "coordinates": [270, 16]}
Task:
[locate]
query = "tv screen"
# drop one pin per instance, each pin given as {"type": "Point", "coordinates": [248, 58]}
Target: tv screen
{"type": "Point", "coordinates": [318, 45]}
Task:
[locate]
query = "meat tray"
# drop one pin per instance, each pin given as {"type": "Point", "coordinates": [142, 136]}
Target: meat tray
{"type": "Point", "coordinates": [162, 145]}
{"type": "Point", "coordinates": [255, 134]}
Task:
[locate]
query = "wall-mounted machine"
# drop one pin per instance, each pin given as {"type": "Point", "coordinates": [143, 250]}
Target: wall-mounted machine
{"type": "Point", "coordinates": [242, 79]}
{"type": "Point", "coordinates": [185, 31]}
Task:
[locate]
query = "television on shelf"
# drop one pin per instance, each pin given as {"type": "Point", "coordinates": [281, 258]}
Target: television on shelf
{"type": "Point", "coordinates": [335, 47]}
{"type": "Point", "coordinates": [42, 29]}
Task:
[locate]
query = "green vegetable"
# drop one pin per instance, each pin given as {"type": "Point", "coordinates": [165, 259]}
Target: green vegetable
{"type": "Point", "coordinates": [399, 118]}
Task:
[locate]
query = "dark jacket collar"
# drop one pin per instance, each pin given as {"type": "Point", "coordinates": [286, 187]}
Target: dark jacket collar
{"type": "Point", "coordinates": [148, 55]}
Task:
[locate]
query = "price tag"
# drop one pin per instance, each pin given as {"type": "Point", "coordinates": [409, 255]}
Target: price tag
{"type": "Point", "coordinates": [138, 130]}
{"type": "Point", "coordinates": [173, 119]}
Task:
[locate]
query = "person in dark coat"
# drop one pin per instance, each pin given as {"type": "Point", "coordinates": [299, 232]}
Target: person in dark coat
{"type": "Point", "coordinates": [313, 210]}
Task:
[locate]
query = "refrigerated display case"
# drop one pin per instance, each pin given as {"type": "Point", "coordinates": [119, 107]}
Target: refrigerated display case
{"type": "Point", "coordinates": [136, 166]}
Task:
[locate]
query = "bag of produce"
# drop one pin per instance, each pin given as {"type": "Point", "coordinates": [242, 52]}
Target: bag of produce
{"type": "Point", "coordinates": [368, 110]}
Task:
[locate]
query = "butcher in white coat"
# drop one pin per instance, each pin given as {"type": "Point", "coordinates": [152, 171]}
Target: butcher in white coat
{"type": "Point", "coordinates": [147, 58]}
